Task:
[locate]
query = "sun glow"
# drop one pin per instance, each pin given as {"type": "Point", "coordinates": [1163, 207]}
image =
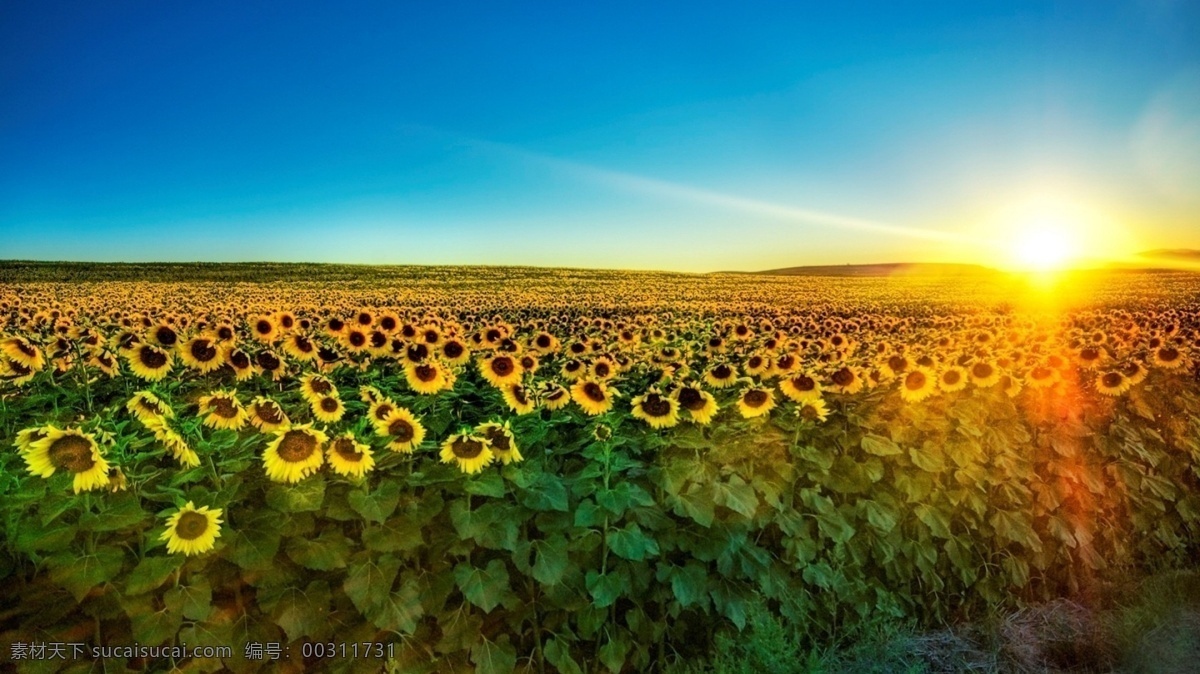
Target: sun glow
{"type": "Point", "coordinates": [1045, 245]}
{"type": "Point", "coordinates": [1050, 234]}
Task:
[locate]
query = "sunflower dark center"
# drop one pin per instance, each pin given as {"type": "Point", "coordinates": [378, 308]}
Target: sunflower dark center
{"type": "Point", "coordinates": [518, 393]}
{"type": "Point", "coordinates": [417, 352]}
{"type": "Point", "coordinates": [269, 412]}
{"type": "Point", "coordinates": [191, 525]}
{"type": "Point", "coordinates": [982, 370]}
{"type": "Point", "coordinates": [722, 372]}
{"type": "Point", "coordinates": [466, 448]}
{"type": "Point", "coordinates": [602, 369]}
{"type": "Point", "coordinates": [951, 377]}
{"type": "Point", "coordinates": [655, 406]}
{"type": "Point", "coordinates": [897, 363]}
{"type": "Point", "coordinates": [297, 446]}
{"type": "Point", "coordinates": [915, 381]}
{"type": "Point", "coordinates": [357, 338]}
{"type": "Point", "coordinates": [1090, 353]}
{"type": "Point", "coordinates": [425, 372]}
{"type": "Point", "coordinates": [303, 344]}
{"type": "Point", "coordinates": [382, 411]}
{"type": "Point", "coordinates": [329, 404]}
{"type": "Point", "coordinates": [203, 351]}
{"type": "Point", "coordinates": [73, 453]}
{"type": "Point", "coordinates": [690, 399]}
{"type": "Point", "coordinates": [320, 386]}
{"type": "Point", "coordinates": [345, 448]}
{"type": "Point", "coordinates": [452, 350]}
{"type": "Point", "coordinates": [239, 360]}
{"type": "Point", "coordinates": [498, 439]}
{"type": "Point", "coordinates": [223, 407]}
{"type": "Point", "coordinates": [543, 341]}
{"type": "Point", "coordinates": [1111, 379]}
{"type": "Point", "coordinates": [263, 327]}
{"type": "Point", "coordinates": [843, 377]}
{"type": "Point", "coordinates": [401, 430]}
{"type": "Point", "coordinates": [387, 323]}
{"type": "Point", "coordinates": [150, 406]}
{"type": "Point", "coordinates": [224, 333]}
{"type": "Point", "coordinates": [336, 324]}
{"type": "Point", "coordinates": [378, 339]}
{"type": "Point", "coordinates": [152, 358]}
{"type": "Point", "coordinates": [432, 336]}
{"type": "Point", "coordinates": [1168, 354]}
{"type": "Point", "coordinates": [804, 383]}
{"type": "Point", "coordinates": [25, 348]}
{"type": "Point", "coordinates": [165, 336]}
{"type": "Point", "coordinates": [268, 361]}
{"type": "Point", "coordinates": [593, 392]}
{"type": "Point", "coordinates": [755, 398]}
{"type": "Point", "coordinates": [502, 366]}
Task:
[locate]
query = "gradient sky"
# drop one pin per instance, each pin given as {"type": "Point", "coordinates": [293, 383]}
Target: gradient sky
{"type": "Point", "coordinates": [685, 136]}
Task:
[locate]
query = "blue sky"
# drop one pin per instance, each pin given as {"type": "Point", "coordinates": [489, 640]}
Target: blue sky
{"type": "Point", "coordinates": [685, 136]}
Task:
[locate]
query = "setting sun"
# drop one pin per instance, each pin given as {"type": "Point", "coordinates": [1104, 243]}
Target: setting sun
{"type": "Point", "coordinates": [1044, 246]}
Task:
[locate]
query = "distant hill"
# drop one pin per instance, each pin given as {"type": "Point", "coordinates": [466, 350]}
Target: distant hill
{"type": "Point", "coordinates": [889, 269]}
{"type": "Point", "coordinates": [1181, 254]}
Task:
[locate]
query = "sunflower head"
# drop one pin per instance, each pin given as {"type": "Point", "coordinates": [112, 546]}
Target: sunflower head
{"type": "Point", "coordinates": [70, 451]}
{"type": "Point", "coordinates": [470, 452]}
{"type": "Point", "coordinates": [294, 453]}
{"type": "Point", "coordinates": [500, 440]}
{"type": "Point", "coordinates": [192, 530]}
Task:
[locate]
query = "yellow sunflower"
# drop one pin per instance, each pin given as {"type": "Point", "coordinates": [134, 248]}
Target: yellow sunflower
{"type": "Point", "coordinates": [800, 387]}
{"type": "Point", "coordinates": [593, 396]}
{"type": "Point", "coordinates": [173, 442]}
{"type": "Point", "coordinates": [405, 431]}
{"type": "Point", "coordinates": [1167, 357]}
{"type": "Point", "coordinates": [700, 405]}
{"type": "Point", "coordinates": [1112, 383]}
{"type": "Point", "coordinates": [223, 410]}
{"type": "Point", "coordinates": [240, 363]}
{"type": "Point", "coordinates": [500, 440]}
{"type": "Point", "coordinates": [500, 369]}
{"type": "Point", "coordinates": [192, 530]}
{"type": "Point", "coordinates": [917, 384]}
{"type": "Point", "coordinates": [984, 374]}
{"type": "Point", "coordinates": [517, 398]}
{"type": "Point", "coordinates": [201, 354]}
{"type": "Point", "coordinates": [314, 387]}
{"type": "Point", "coordinates": [266, 415]}
{"type": "Point", "coordinates": [846, 380]}
{"type": "Point", "coordinates": [953, 378]}
{"type": "Point", "coordinates": [812, 410]}
{"type": "Point", "coordinates": [264, 329]}
{"type": "Point", "coordinates": [145, 405]}
{"type": "Point", "coordinates": [656, 409]}
{"type": "Point", "coordinates": [328, 409]}
{"type": "Point", "coordinates": [26, 437]}
{"type": "Point", "coordinates": [553, 396]}
{"type": "Point", "coordinates": [720, 376]}
{"type": "Point", "coordinates": [347, 456]}
{"type": "Point", "coordinates": [470, 452]}
{"type": "Point", "coordinates": [755, 401]}
{"type": "Point", "coordinates": [294, 453]}
{"type": "Point", "coordinates": [300, 346]}
{"type": "Point", "coordinates": [149, 362]}
{"type": "Point", "coordinates": [454, 351]}
{"type": "Point", "coordinates": [70, 451]}
{"type": "Point", "coordinates": [426, 378]}
{"type": "Point", "coordinates": [21, 350]}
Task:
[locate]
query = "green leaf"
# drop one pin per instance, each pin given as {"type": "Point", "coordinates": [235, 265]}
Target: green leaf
{"type": "Point", "coordinates": [398, 534]}
{"type": "Point", "coordinates": [612, 654]}
{"type": "Point", "coordinates": [484, 588]}
{"type": "Point", "coordinates": [301, 613]}
{"type": "Point", "coordinates": [883, 519]}
{"type": "Point", "coordinates": [927, 459]}
{"type": "Point", "coordinates": [369, 580]}
{"type": "Point", "coordinates": [151, 627]}
{"type": "Point", "coordinates": [588, 514]}
{"type": "Point", "coordinates": [486, 484]}
{"type": "Point", "coordinates": [151, 573]}
{"type": "Point", "coordinates": [630, 543]}
{"type": "Point", "coordinates": [193, 599]}
{"type": "Point", "coordinates": [551, 562]}
{"type": "Point", "coordinates": [254, 545]}
{"type": "Point", "coordinates": [45, 539]}
{"type": "Point", "coordinates": [304, 496]}
{"type": "Point", "coordinates": [493, 657]}
{"type": "Point", "coordinates": [696, 506]}
{"type": "Point", "coordinates": [326, 552]}
{"type": "Point", "coordinates": [880, 446]}
{"type": "Point", "coordinates": [123, 512]}
{"type": "Point", "coordinates": [689, 583]}
{"type": "Point", "coordinates": [606, 588]}
{"type": "Point", "coordinates": [558, 653]}
{"type": "Point", "coordinates": [548, 493]}
{"type": "Point", "coordinates": [737, 495]}
{"type": "Point", "coordinates": [935, 519]}
{"type": "Point", "coordinates": [378, 504]}
{"type": "Point", "coordinates": [80, 573]}
{"type": "Point", "coordinates": [400, 610]}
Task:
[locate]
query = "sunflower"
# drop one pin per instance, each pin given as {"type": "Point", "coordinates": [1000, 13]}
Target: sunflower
{"type": "Point", "coordinates": [529, 363]}
{"type": "Point", "coordinates": [328, 409]}
{"type": "Point", "coordinates": [149, 362]}
{"type": "Point", "coordinates": [602, 368]}
{"type": "Point", "coordinates": [192, 530]}
{"type": "Point", "coordinates": [846, 380]}
{"type": "Point", "coordinates": [201, 354]}
{"type": "Point", "coordinates": [454, 351]}
{"type": "Point", "coordinates": [314, 387]}
{"type": "Point", "coordinates": [544, 343]}
{"type": "Point", "coordinates": [984, 374]}
{"type": "Point", "coordinates": [426, 378]}
{"type": "Point", "coordinates": [70, 451]}
{"type": "Point", "coordinates": [593, 396]}
{"type": "Point", "coordinates": [755, 401]}
{"type": "Point", "coordinates": [264, 329]}
{"type": "Point", "coordinates": [500, 440]}
{"type": "Point", "coordinates": [240, 363]}
{"type": "Point", "coordinates": [917, 384]}
{"type": "Point", "coordinates": [500, 369]}
{"type": "Point", "coordinates": [1135, 372]}
{"type": "Point", "coordinates": [300, 346]}
{"type": "Point", "coordinates": [266, 415]}
{"type": "Point", "coordinates": [379, 410]}
{"type": "Point", "coordinates": [813, 410]}
{"type": "Point", "coordinates": [1011, 385]}
{"type": "Point", "coordinates": [1112, 383]}
{"type": "Point", "coordinates": [553, 396]}
{"type": "Point", "coordinates": [470, 452]}
{"type": "Point", "coordinates": [1042, 376]}
{"type": "Point", "coordinates": [700, 405]}
{"type": "Point", "coordinates": [953, 378]}
{"type": "Point", "coordinates": [369, 394]}
{"type": "Point", "coordinates": [573, 370]}
{"type": "Point", "coordinates": [294, 453]}
{"type": "Point", "coordinates": [517, 398]}
{"type": "Point", "coordinates": [145, 406]}
{"type": "Point", "coordinates": [347, 456]}
{"type": "Point", "coordinates": [355, 339]}
{"type": "Point", "coordinates": [1091, 357]}
{"type": "Point", "coordinates": [720, 376]}
{"type": "Point", "coordinates": [758, 365]}
{"type": "Point", "coordinates": [26, 437]}
{"type": "Point", "coordinates": [656, 409]}
{"type": "Point", "coordinates": [1167, 357]}
{"type": "Point", "coordinates": [270, 364]}
{"type": "Point", "coordinates": [405, 431]}
{"type": "Point", "coordinates": [173, 442]}
{"type": "Point", "coordinates": [801, 387]}
{"type": "Point", "coordinates": [21, 350]}
{"type": "Point", "coordinates": [223, 410]}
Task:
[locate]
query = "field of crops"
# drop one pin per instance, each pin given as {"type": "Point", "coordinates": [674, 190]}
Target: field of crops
{"type": "Point", "coordinates": [497, 470]}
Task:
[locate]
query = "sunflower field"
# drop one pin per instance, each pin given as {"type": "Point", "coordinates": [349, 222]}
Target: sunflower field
{"type": "Point", "coordinates": [523, 470]}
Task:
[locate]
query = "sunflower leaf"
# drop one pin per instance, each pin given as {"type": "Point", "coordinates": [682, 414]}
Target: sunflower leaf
{"type": "Point", "coordinates": [485, 587]}
{"type": "Point", "coordinates": [377, 504]}
{"type": "Point", "coordinates": [493, 657]}
{"type": "Point", "coordinates": [151, 573]}
{"type": "Point", "coordinates": [630, 543]}
{"type": "Point", "coordinates": [558, 653]}
{"type": "Point", "coordinates": [326, 552]}
{"type": "Point", "coordinates": [370, 580]}
{"type": "Point", "coordinates": [304, 496]}
{"type": "Point", "coordinates": [879, 445]}
{"type": "Point", "coordinates": [399, 611]}
{"type": "Point", "coordinates": [79, 574]}
{"type": "Point", "coordinates": [552, 560]}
